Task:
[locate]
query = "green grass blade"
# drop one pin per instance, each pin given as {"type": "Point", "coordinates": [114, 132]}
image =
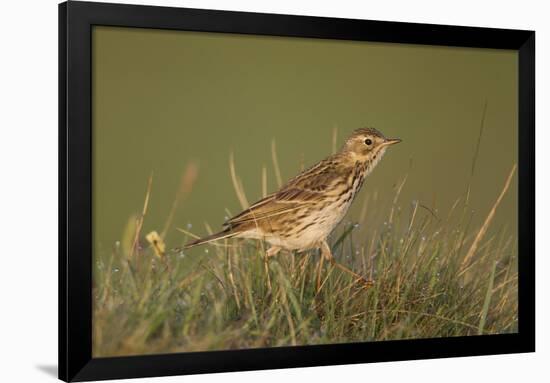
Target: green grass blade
{"type": "Point", "coordinates": [487, 302]}
{"type": "Point", "coordinates": [343, 236]}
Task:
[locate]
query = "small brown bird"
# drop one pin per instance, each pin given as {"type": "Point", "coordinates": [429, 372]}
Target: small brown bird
{"type": "Point", "coordinates": [302, 214]}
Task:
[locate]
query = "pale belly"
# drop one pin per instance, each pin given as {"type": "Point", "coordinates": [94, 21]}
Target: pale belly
{"type": "Point", "coordinates": [325, 220]}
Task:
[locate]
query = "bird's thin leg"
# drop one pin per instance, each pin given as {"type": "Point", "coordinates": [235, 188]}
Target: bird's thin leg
{"type": "Point", "coordinates": [272, 251]}
{"type": "Point", "coordinates": [327, 254]}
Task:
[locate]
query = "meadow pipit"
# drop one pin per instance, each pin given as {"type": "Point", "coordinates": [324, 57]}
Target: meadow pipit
{"type": "Point", "coordinates": [302, 214]}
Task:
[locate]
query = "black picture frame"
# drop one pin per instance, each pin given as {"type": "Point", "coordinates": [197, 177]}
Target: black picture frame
{"type": "Point", "coordinates": [75, 190]}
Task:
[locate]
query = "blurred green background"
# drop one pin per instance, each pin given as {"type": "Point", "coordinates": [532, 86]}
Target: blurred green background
{"type": "Point", "coordinates": [162, 99]}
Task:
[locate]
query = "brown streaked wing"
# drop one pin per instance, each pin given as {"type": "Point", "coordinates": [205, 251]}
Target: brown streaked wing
{"type": "Point", "coordinates": [270, 207]}
{"type": "Point", "coordinates": [306, 188]}
{"type": "Point", "coordinates": [247, 214]}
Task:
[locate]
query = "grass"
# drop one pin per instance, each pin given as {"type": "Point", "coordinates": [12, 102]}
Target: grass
{"type": "Point", "coordinates": [435, 276]}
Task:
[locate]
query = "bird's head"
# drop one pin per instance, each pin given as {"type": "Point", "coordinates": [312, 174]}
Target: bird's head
{"type": "Point", "coordinates": [367, 145]}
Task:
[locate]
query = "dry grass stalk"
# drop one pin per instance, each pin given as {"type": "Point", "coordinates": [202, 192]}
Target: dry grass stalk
{"type": "Point", "coordinates": [237, 184]}
{"type": "Point", "coordinates": [264, 181]}
{"type": "Point", "coordinates": [334, 139]}
{"type": "Point", "coordinates": [399, 188]}
{"type": "Point", "coordinates": [276, 167]}
{"type": "Point", "coordinates": [476, 151]}
{"type": "Point", "coordinates": [471, 252]}
{"type": "Point", "coordinates": [187, 181]}
{"type": "Point", "coordinates": [141, 218]}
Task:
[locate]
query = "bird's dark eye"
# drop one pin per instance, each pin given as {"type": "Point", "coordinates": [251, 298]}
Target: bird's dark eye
{"type": "Point", "coordinates": [368, 141]}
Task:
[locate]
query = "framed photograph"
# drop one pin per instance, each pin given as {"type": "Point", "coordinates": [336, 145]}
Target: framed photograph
{"type": "Point", "coordinates": [245, 191]}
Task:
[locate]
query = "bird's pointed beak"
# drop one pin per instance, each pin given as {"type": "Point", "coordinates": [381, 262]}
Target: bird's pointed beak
{"type": "Point", "coordinates": [391, 141]}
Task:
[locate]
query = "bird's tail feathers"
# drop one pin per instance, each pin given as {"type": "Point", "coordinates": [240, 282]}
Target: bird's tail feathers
{"type": "Point", "coordinates": [227, 233]}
